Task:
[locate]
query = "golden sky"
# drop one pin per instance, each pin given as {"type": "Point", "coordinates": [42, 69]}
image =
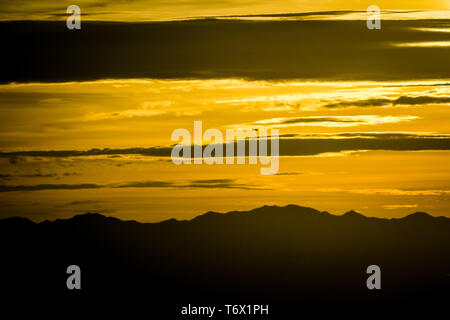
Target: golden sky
{"type": "Point", "coordinates": [138, 10]}
{"type": "Point", "coordinates": [85, 115]}
{"type": "Point", "coordinates": [124, 114]}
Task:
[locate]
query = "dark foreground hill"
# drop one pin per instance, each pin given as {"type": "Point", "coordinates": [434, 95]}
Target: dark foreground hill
{"type": "Point", "coordinates": [273, 254]}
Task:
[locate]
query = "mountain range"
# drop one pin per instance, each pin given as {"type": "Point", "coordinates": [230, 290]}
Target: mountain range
{"type": "Point", "coordinates": [270, 254]}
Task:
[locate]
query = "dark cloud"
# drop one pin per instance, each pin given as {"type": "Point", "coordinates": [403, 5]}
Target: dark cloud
{"type": "Point", "coordinates": [437, 84]}
{"type": "Point", "coordinates": [83, 202]}
{"type": "Point", "coordinates": [288, 173]}
{"type": "Point", "coordinates": [309, 147]}
{"type": "Point", "coordinates": [154, 151]}
{"type": "Point", "coordinates": [48, 52]}
{"type": "Point", "coordinates": [34, 175]}
{"type": "Point", "coordinates": [298, 14]}
{"type": "Point", "coordinates": [80, 203]}
{"type": "Point", "coordinates": [38, 187]}
{"type": "Point", "coordinates": [420, 100]}
{"type": "Point", "coordinates": [14, 160]}
{"type": "Point", "coordinates": [402, 100]}
{"type": "Point", "coordinates": [315, 120]}
{"type": "Point", "coordinates": [67, 174]}
{"type": "Point", "coordinates": [360, 103]}
{"type": "Point", "coordinates": [212, 184]}
{"type": "Point", "coordinates": [144, 184]}
{"type": "Point", "coordinates": [312, 13]}
{"type": "Point", "coordinates": [290, 144]}
{"type": "Point", "coordinates": [221, 184]}
{"type": "Point", "coordinates": [204, 184]}
{"type": "Point", "coordinates": [382, 135]}
{"type": "Point", "coordinates": [212, 181]}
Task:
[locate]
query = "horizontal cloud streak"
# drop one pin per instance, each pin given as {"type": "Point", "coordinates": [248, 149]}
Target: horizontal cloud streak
{"type": "Point", "coordinates": [196, 49]}
{"type": "Point", "coordinates": [392, 192]}
{"type": "Point", "coordinates": [326, 121]}
{"type": "Point", "coordinates": [399, 206]}
{"type": "Point", "coordinates": [38, 187]}
{"type": "Point", "coordinates": [290, 145]}
{"type": "Point", "coordinates": [33, 175]}
{"type": "Point", "coordinates": [421, 100]}
{"type": "Point", "coordinates": [205, 184]}
{"type": "Point", "coordinates": [402, 100]}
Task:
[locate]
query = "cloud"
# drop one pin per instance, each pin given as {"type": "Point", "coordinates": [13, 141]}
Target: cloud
{"type": "Point", "coordinates": [392, 192]}
{"type": "Point", "coordinates": [195, 49]}
{"type": "Point", "coordinates": [348, 15]}
{"type": "Point", "coordinates": [372, 135]}
{"type": "Point", "coordinates": [399, 206]}
{"type": "Point", "coordinates": [148, 109]}
{"type": "Point", "coordinates": [33, 175]}
{"type": "Point", "coordinates": [67, 174]}
{"type": "Point", "coordinates": [308, 147]}
{"type": "Point", "coordinates": [148, 10]}
{"type": "Point", "coordinates": [212, 181]}
{"type": "Point", "coordinates": [288, 173]}
{"type": "Point", "coordinates": [327, 121]}
{"type": "Point", "coordinates": [405, 100]}
{"type": "Point", "coordinates": [205, 184]}
{"type": "Point", "coordinates": [402, 192]}
{"type": "Point", "coordinates": [290, 145]}
{"type": "Point", "coordinates": [402, 100]}
{"type": "Point", "coordinates": [143, 184]}
{"type": "Point", "coordinates": [81, 203]}
{"type": "Point", "coordinates": [359, 103]}
{"type": "Point", "coordinates": [153, 151]}
{"type": "Point", "coordinates": [39, 187]}
{"type": "Point", "coordinates": [220, 183]}
{"type": "Point", "coordinates": [423, 44]}
{"type": "Point", "coordinates": [297, 14]}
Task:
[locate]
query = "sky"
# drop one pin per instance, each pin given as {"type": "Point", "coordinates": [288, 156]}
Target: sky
{"type": "Point", "coordinates": [86, 116]}
{"type": "Point", "coordinates": [144, 10]}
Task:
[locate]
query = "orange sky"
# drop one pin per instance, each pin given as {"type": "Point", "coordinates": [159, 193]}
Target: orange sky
{"type": "Point", "coordinates": [138, 10]}
{"type": "Point", "coordinates": [376, 102]}
{"type": "Point", "coordinates": [143, 113]}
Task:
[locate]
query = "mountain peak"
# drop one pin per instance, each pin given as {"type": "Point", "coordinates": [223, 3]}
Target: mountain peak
{"type": "Point", "coordinates": [290, 210]}
{"type": "Point", "coordinates": [353, 213]}
{"type": "Point", "coordinates": [419, 215]}
{"type": "Point", "coordinates": [16, 221]}
{"type": "Point", "coordinates": [91, 217]}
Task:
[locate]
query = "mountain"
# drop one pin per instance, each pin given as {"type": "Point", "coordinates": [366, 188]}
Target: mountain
{"type": "Point", "coordinates": [269, 254]}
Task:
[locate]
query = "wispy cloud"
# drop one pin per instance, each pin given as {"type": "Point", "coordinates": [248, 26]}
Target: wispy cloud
{"type": "Point", "coordinates": [32, 175]}
{"type": "Point", "coordinates": [39, 187]}
{"type": "Point", "coordinates": [392, 192]}
{"type": "Point", "coordinates": [325, 121]}
{"type": "Point", "coordinates": [81, 203]}
{"type": "Point", "coordinates": [290, 145]}
{"type": "Point", "coordinates": [204, 184]}
{"type": "Point", "coordinates": [424, 44]}
{"type": "Point", "coordinates": [399, 206]}
{"type": "Point", "coordinates": [402, 100]}
{"type": "Point", "coordinates": [402, 192]}
{"type": "Point", "coordinates": [288, 173]}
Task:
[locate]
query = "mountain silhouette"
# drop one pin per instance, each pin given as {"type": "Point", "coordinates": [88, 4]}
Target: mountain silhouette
{"type": "Point", "coordinates": [270, 254]}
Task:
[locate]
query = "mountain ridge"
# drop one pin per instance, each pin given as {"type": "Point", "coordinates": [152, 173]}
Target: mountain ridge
{"type": "Point", "coordinates": [270, 253]}
{"type": "Point", "coordinates": [213, 214]}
